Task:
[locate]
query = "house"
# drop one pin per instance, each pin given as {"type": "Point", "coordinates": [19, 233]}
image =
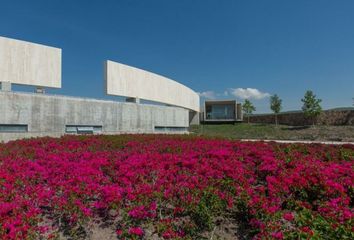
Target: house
{"type": "Point", "coordinates": [221, 111]}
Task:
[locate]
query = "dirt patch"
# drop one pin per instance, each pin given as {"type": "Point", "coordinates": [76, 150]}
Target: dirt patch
{"type": "Point", "coordinates": [226, 228]}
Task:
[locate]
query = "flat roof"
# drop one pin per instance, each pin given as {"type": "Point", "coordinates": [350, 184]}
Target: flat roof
{"type": "Point", "coordinates": [220, 120]}
{"type": "Point", "coordinates": [221, 101]}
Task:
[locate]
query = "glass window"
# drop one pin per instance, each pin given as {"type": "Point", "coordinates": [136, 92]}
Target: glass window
{"type": "Point", "coordinates": [13, 128]}
{"type": "Point", "coordinates": [170, 129]}
{"type": "Point", "coordinates": [83, 129]}
{"type": "Point", "coordinates": [220, 111]}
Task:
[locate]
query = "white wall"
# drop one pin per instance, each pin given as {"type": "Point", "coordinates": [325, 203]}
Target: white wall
{"type": "Point", "coordinates": [29, 63]}
{"type": "Point", "coordinates": [127, 81]}
{"type": "Point", "coordinates": [48, 115]}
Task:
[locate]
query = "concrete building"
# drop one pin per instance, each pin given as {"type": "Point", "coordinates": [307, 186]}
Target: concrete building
{"type": "Point", "coordinates": [221, 111]}
{"type": "Point", "coordinates": [32, 114]}
{"type": "Point", "coordinates": [27, 63]}
{"type": "Point", "coordinates": [136, 84]}
{"type": "Point", "coordinates": [131, 82]}
{"type": "Point", "coordinates": [38, 114]}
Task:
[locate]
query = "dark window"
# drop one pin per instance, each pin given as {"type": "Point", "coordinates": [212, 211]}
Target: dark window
{"type": "Point", "coordinates": [170, 129]}
{"type": "Point", "coordinates": [13, 128]}
{"type": "Point", "coordinates": [83, 129]}
{"type": "Point", "coordinates": [220, 111]}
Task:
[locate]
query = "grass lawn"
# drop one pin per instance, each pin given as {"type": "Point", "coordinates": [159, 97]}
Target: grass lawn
{"type": "Point", "coordinates": [269, 131]}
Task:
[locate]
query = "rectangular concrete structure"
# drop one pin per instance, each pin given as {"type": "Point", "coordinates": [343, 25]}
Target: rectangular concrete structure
{"type": "Point", "coordinates": [51, 115]}
{"type": "Point", "coordinates": [222, 111]}
{"type": "Point", "coordinates": [131, 82]}
{"type": "Point", "coordinates": [28, 63]}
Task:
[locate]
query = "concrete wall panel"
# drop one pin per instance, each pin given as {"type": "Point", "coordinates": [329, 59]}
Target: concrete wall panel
{"type": "Point", "coordinates": [127, 81]}
{"type": "Point", "coordinates": [47, 115]}
{"type": "Point", "coordinates": [29, 63]}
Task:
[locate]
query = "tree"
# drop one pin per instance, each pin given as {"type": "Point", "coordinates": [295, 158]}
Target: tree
{"type": "Point", "coordinates": [275, 106]}
{"type": "Point", "coordinates": [311, 107]}
{"type": "Point", "coordinates": [248, 108]}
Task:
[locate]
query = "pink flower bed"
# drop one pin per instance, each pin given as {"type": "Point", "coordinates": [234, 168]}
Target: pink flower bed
{"type": "Point", "coordinates": [175, 186]}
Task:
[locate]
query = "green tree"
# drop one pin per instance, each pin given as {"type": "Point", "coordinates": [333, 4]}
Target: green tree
{"type": "Point", "coordinates": [275, 106]}
{"type": "Point", "coordinates": [248, 108]}
{"type": "Point", "coordinates": [311, 107]}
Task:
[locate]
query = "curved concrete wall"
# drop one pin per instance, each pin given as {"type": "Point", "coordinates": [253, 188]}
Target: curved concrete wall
{"type": "Point", "coordinates": [127, 81]}
{"type": "Point", "coordinates": [29, 63]}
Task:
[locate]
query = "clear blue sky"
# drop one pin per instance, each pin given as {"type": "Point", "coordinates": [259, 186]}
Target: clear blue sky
{"type": "Point", "coordinates": [283, 47]}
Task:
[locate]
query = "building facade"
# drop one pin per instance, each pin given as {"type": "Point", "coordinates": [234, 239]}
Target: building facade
{"type": "Point", "coordinates": [221, 111]}
{"type": "Point", "coordinates": [32, 114]}
{"type": "Point", "coordinates": [39, 114]}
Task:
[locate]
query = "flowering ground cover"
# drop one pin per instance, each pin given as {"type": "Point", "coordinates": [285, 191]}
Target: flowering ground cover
{"type": "Point", "coordinates": [174, 187]}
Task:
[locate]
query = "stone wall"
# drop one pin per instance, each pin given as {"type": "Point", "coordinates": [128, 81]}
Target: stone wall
{"type": "Point", "coordinates": [329, 117]}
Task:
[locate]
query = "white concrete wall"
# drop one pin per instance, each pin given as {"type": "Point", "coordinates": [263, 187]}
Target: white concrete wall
{"type": "Point", "coordinates": [47, 115]}
{"type": "Point", "coordinates": [127, 81]}
{"type": "Point", "coordinates": [29, 63]}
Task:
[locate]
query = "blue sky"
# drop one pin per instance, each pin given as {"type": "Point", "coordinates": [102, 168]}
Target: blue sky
{"type": "Point", "coordinates": [218, 48]}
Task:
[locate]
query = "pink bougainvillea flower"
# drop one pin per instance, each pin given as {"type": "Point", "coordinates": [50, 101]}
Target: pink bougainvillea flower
{"type": "Point", "coordinates": [288, 216]}
{"type": "Point", "coordinates": [173, 185]}
{"type": "Point", "coordinates": [136, 231]}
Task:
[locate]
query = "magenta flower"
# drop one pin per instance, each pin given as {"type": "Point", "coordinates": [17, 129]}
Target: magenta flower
{"type": "Point", "coordinates": [288, 216]}
{"type": "Point", "coordinates": [164, 182]}
{"type": "Point", "coordinates": [136, 231]}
